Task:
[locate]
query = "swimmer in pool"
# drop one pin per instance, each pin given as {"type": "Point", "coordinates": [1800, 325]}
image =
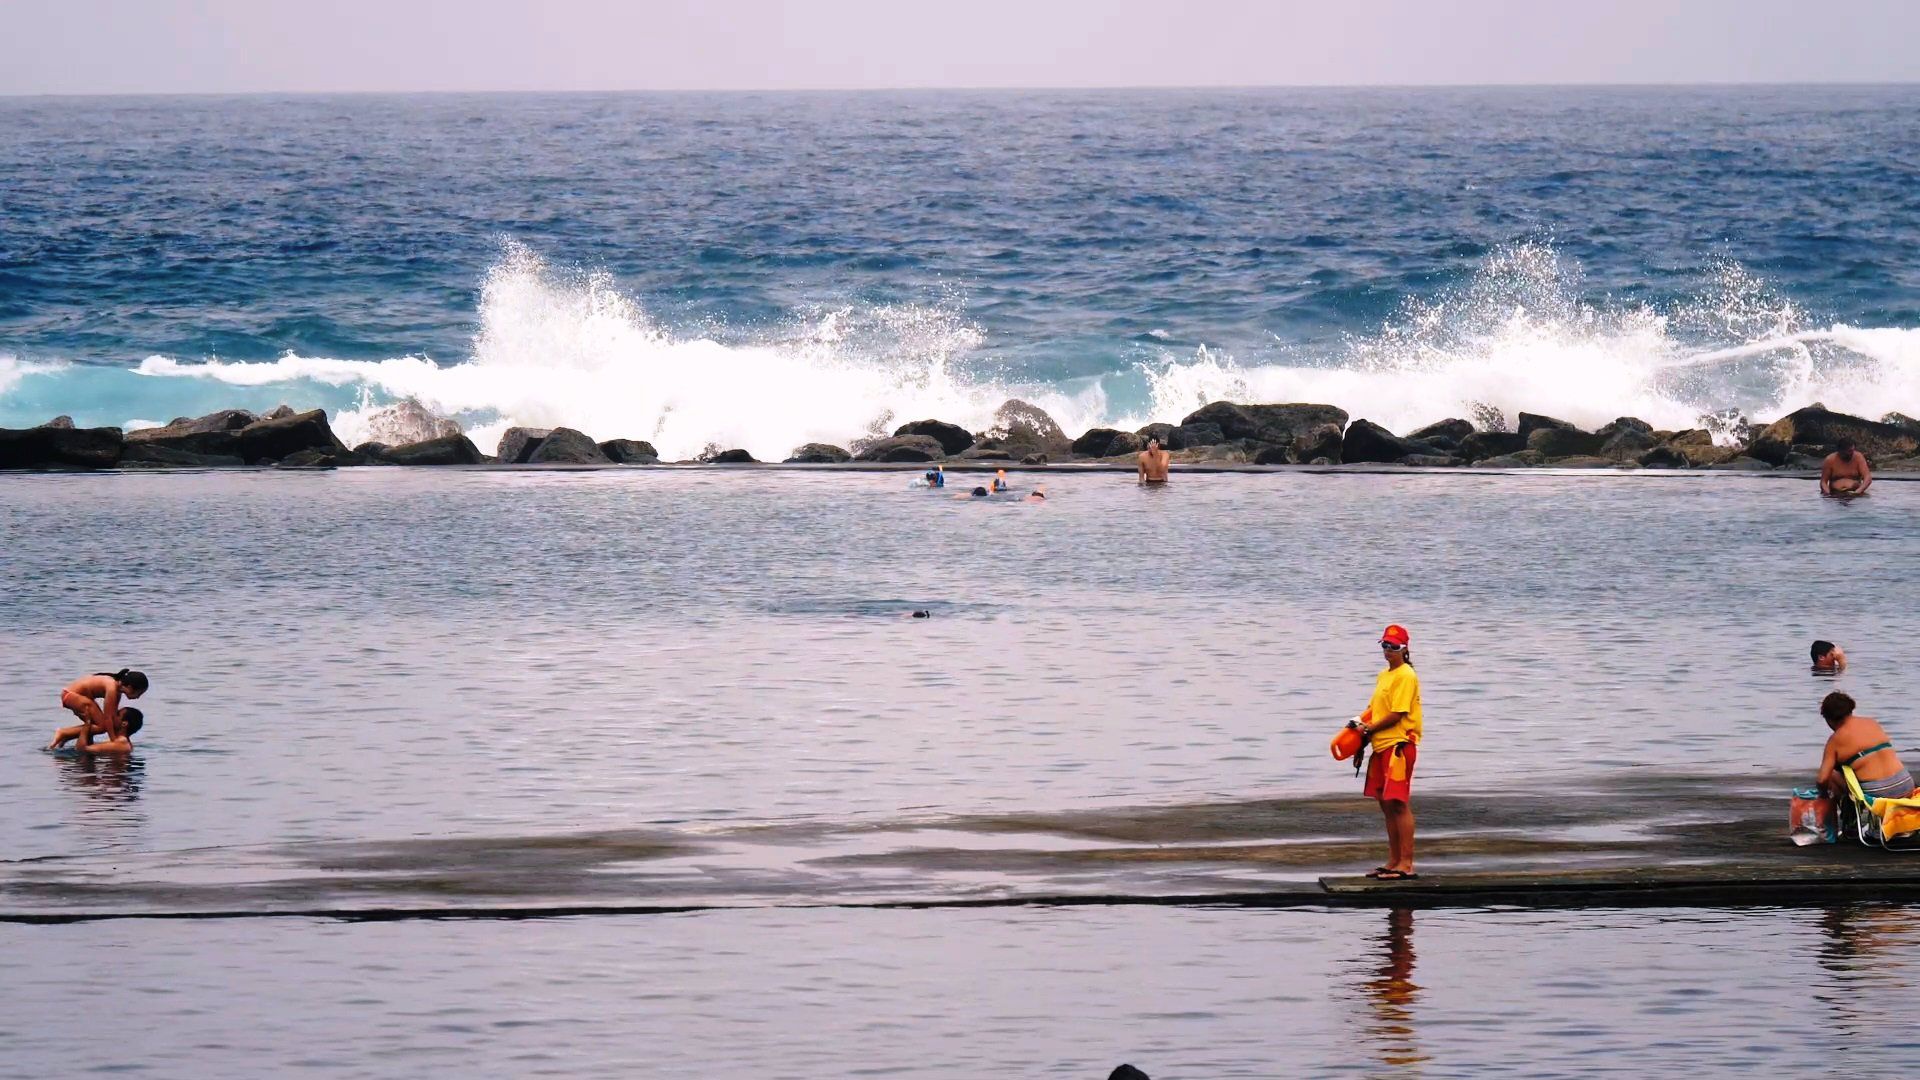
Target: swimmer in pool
{"type": "Point", "coordinates": [1038, 494]}
{"type": "Point", "coordinates": [1828, 658]}
{"type": "Point", "coordinates": [1154, 463]}
{"type": "Point", "coordinates": [936, 477]}
{"type": "Point", "coordinates": [976, 493]}
{"type": "Point", "coordinates": [1845, 472]}
{"type": "Point", "coordinates": [127, 722]}
{"type": "Point", "coordinates": [1000, 480]}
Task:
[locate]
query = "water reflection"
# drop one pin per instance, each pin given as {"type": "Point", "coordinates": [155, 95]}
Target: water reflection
{"type": "Point", "coordinates": [108, 786]}
{"type": "Point", "coordinates": [1864, 956]}
{"type": "Point", "coordinates": [1390, 994]}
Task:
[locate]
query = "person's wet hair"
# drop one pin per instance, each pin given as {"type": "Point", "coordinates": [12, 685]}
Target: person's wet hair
{"type": "Point", "coordinates": [981, 493]}
{"type": "Point", "coordinates": [1836, 707]}
{"type": "Point", "coordinates": [135, 681]}
{"type": "Point", "coordinates": [133, 719]}
{"type": "Point", "coordinates": [1821, 649]}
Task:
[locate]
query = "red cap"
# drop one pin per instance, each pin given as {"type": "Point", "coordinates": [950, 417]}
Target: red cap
{"type": "Point", "coordinates": [1394, 635]}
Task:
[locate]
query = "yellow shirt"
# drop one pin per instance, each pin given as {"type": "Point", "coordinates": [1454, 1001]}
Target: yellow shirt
{"type": "Point", "coordinates": [1396, 690]}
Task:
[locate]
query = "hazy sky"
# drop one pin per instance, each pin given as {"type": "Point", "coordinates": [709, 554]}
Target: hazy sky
{"type": "Point", "coordinates": [162, 46]}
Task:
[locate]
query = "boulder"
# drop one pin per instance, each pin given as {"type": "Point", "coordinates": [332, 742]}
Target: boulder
{"type": "Point", "coordinates": [1803, 461]}
{"type": "Point", "coordinates": [1901, 420]}
{"type": "Point", "coordinates": [1624, 423]}
{"type": "Point", "coordinates": [1709, 454]}
{"type": "Point", "coordinates": [985, 453]}
{"type": "Point", "coordinates": [1182, 437]}
{"type": "Point", "coordinates": [819, 454]}
{"type": "Point", "coordinates": [403, 422]}
{"type": "Point", "coordinates": [1366, 441]}
{"type": "Point", "coordinates": [1741, 464]}
{"type": "Point", "coordinates": [1628, 444]}
{"type": "Point", "coordinates": [1486, 444]}
{"type": "Point", "coordinates": [1532, 422]}
{"type": "Point", "coordinates": [517, 444]}
{"type": "Point", "coordinates": [1453, 431]}
{"type": "Point", "coordinates": [902, 448]}
{"type": "Point", "coordinates": [445, 450]}
{"type": "Point", "coordinates": [271, 440]}
{"type": "Point", "coordinates": [1267, 455]}
{"type": "Point", "coordinates": [1095, 442]}
{"type": "Point", "coordinates": [1823, 428]}
{"type": "Point", "coordinates": [61, 448]}
{"type": "Point", "coordinates": [1019, 423]}
{"type": "Point", "coordinates": [162, 456]}
{"type": "Point", "coordinates": [1124, 444]}
{"type": "Point", "coordinates": [1664, 457]}
{"type": "Point", "coordinates": [736, 456]}
{"type": "Point", "coordinates": [1523, 459]}
{"type": "Point", "coordinates": [61, 421]}
{"type": "Point", "coordinates": [280, 412]}
{"type": "Point", "coordinates": [631, 452]}
{"type": "Point", "coordinates": [1274, 425]}
{"type": "Point", "coordinates": [952, 437]}
{"type": "Point", "coordinates": [1564, 442]}
{"type": "Point", "coordinates": [1034, 459]}
{"type": "Point", "coordinates": [566, 446]}
{"type": "Point", "coordinates": [1691, 437]}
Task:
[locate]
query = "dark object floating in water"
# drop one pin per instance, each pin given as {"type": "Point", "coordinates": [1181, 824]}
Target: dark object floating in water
{"type": "Point", "coordinates": [923, 614]}
{"type": "Point", "coordinates": [1127, 1072]}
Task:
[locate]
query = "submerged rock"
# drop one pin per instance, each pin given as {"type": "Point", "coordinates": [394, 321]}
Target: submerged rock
{"type": "Point", "coordinates": [902, 448]}
{"type": "Point", "coordinates": [566, 446]}
{"type": "Point", "coordinates": [60, 448]}
{"type": "Point", "coordinates": [517, 444]}
{"type": "Point", "coordinates": [952, 437]}
{"type": "Point", "coordinates": [630, 452]}
{"type": "Point", "coordinates": [815, 453]}
{"type": "Point", "coordinates": [445, 450]}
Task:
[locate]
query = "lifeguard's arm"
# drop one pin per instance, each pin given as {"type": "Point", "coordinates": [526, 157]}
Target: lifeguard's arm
{"type": "Point", "coordinates": [1866, 474]}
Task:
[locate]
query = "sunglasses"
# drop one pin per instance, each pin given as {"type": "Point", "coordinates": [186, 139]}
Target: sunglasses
{"type": "Point", "coordinates": [1391, 647]}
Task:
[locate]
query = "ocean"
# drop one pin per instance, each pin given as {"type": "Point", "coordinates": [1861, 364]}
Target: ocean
{"type": "Point", "coordinates": [763, 270]}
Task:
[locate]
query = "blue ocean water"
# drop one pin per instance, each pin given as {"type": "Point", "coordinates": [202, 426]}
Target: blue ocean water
{"type": "Point", "coordinates": [763, 269]}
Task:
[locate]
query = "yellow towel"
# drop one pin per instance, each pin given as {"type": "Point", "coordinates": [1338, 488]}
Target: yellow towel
{"type": "Point", "coordinates": [1898, 817]}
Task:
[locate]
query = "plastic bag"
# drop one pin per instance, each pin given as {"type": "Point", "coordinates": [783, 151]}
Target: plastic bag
{"type": "Point", "coordinates": [1812, 818]}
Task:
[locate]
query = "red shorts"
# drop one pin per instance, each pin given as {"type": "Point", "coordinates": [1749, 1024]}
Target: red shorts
{"type": "Point", "coordinates": [1390, 773]}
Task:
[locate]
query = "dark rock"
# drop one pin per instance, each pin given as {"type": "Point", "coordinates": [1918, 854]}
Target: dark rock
{"type": "Point", "coordinates": [1525, 459]}
{"type": "Point", "coordinates": [1625, 423]}
{"type": "Point", "coordinates": [280, 412]}
{"type": "Point", "coordinates": [1691, 437]}
{"type": "Point", "coordinates": [1823, 428]}
{"type": "Point", "coordinates": [1019, 423]}
{"type": "Point", "coordinates": [952, 437]}
{"type": "Point", "coordinates": [1125, 443]}
{"type": "Point", "coordinates": [1741, 464]}
{"type": "Point", "coordinates": [1182, 436]}
{"type": "Point", "coordinates": [53, 448]}
{"type": "Point", "coordinates": [374, 453]}
{"type": "Point", "coordinates": [1366, 441]}
{"type": "Point", "coordinates": [62, 421]}
{"type": "Point", "coordinates": [1532, 422]}
{"type": "Point", "coordinates": [1430, 461]}
{"type": "Point", "coordinates": [634, 452]}
{"type": "Point", "coordinates": [1628, 444]}
{"type": "Point", "coordinates": [1452, 430]}
{"type": "Point", "coordinates": [1664, 457]}
{"type": "Point", "coordinates": [1275, 425]}
{"type": "Point", "coordinates": [322, 459]}
{"type": "Point", "coordinates": [985, 453]}
{"type": "Point", "coordinates": [565, 446]}
{"type": "Point", "coordinates": [819, 454]}
{"type": "Point", "coordinates": [1564, 442]}
{"type": "Point", "coordinates": [1095, 442]}
{"type": "Point", "coordinates": [161, 455]}
{"type": "Point", "coordinates": [1804, 461]}
{"type": "Point", "coordinates": [1702, 456]}
{"type": "Point", "coordinates": [716, 456]}
{"type": "Point", "coordinates": [1127, 1072]}
{"type": "Point", "coordinates": [517, 444]}
{"type": "Point", "coordinates": [271, 440]}
{"type": "Point", "coordinates": [1486, 444]}
{"type": "Point", "coordinates": [1911, 464]}
{"type": "Point", "coordinates": [1034, 459]}
{"type": "Point", "coordinates": [1901, 420]}
{"type": "Point", "coordinates": [445, 450]}
{"type": "Point", "coordinates": [902, 448]}
{"type": "Point", "coordinates": [1582, 461]}
{"type": "Point", "coordinates": [1271, 455]}
{"type": "Point", "coordinates": [222, 421]}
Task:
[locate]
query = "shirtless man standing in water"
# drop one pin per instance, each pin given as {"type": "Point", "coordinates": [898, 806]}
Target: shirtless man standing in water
{"type": "Point", "coordinates": [1153, 463]}
{"type": "Point", "coordinates": [1845, 471]}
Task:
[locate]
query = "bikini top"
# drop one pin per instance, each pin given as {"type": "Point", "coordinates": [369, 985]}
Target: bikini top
{"type": "Point", "coordinates": [1874, 749]}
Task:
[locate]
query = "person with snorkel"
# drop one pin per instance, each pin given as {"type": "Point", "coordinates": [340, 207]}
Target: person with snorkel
{"type": "Point", "coordinates": [1392, 725]}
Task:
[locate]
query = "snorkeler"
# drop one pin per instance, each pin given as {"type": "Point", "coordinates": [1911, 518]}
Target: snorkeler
{"type": "Point", "coordinates": [95, 700]}
{"type": "Point", "coordinates": [128, 721]}
{"type": "Point", "coordinates": [936, 477]}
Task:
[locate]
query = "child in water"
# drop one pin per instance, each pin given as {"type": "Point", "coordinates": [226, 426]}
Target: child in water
{"type": "Point", "coordinates": [95, 700]}
{"type": "Point", "coordinates": [130, 721]}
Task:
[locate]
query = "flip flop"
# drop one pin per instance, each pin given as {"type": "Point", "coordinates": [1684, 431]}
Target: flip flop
{"type": "Point", "coordinates": [1395, 875]}
{"type": "Point", "coordinates": [1378, 870]}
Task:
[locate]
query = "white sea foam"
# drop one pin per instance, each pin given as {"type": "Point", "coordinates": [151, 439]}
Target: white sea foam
{"type": "Point", "coordinates": [564, 347]}
{"type": "Point", "coordinates": [13, 369]}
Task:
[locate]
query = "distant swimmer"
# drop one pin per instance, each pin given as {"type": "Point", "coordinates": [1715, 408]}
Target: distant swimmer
{"type": "Point", "coordinates": [95, 701]}
{"type": "Point", "coordinates": [127, 722]}
{"type": "Point", "coordinates": [1861, 744]}
{"type": "Point", "coordinates": [1038, 494]}
{"type": "Point", "coordinates": [1845, 473]}
{"type": "Point", "coordinates": [923, 613]}
{"type": "Point", "coordinates": [1153, 463]}
{"type": "Point", "coordinates": [1000, 480]}
{"type": "Point", "coordinates": [976, 493]}
{"type": "Point", "coordinates": [936, 477]}
{"type": "Point", "coordinates": [1828, 658]}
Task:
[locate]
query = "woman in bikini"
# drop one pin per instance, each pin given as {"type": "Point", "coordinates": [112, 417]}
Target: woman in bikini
{"type": "Point", "coordinates": [1860, 744]}
{"type": "Point", "coordinates": [96, 701]}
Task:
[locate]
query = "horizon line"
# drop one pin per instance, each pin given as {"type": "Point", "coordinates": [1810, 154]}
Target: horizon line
{"type": "Point", "coordinates": [1010, 89]}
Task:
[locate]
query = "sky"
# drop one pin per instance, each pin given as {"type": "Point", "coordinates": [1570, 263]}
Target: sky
{"type": "Point", "coordinates": [296, 46]}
